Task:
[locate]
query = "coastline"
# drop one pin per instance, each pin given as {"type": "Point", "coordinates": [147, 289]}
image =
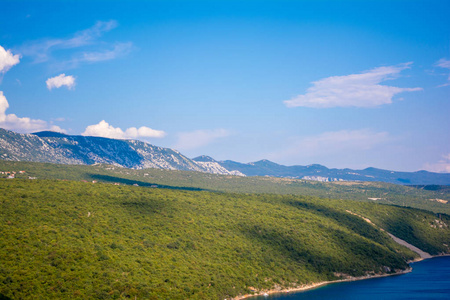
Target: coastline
{"type": "Point", "coordinates": [311, 286]}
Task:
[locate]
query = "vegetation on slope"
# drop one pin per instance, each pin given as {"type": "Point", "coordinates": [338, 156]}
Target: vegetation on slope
{"type": "Point", "coordinates": [65, 239]}
{"type": "Point", "coordinates": [437, 199]}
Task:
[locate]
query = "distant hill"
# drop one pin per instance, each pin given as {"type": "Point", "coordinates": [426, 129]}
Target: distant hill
{"type": "Point", "coordinates": [53, 147]}
{"type": "Point", "coordinates": [321, 173]}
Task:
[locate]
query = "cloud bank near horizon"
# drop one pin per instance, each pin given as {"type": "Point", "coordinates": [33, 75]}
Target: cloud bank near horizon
{"type": "Point", "coordinates": [199, 138]}
{"type": "Point", "coordinates": [442, 166]}
{"type": "Point", "coordinates": [104, 129]}
{"type": "Point", "coordinates": [331, 144]}
{"type": "Point", "coordinates": [23, 125]}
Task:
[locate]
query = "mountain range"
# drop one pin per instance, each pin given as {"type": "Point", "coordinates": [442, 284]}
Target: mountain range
{"type": "Point", "coordinates": [53, 147]}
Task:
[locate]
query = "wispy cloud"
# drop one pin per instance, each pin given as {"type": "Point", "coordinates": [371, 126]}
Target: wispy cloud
{"type": "Point", "coordinates": [442, 166]}
{"type": "Point", "coordinates": [355, 90]}
{"type": "Point", "coordinates": [444, 63]}
{"type": "Point", "coordinates": [42, 50]}
{"type": "Point", "coordinates": [61, 80]}
{"type": "Point", "coordinates": [60, 119]}
{"type": "Point", "coordinates": [25, 125]}
{"type": "Point", "coordinates": [7, 60]}
{"type": "Point", "coordinates": [118, 50]}
{"type": "Point", "coordinates": [87, 36]}
{"type": "Point", "coordinates": [104, 129]}
{"type": "Point", "coordinates": [199, 138]}
{"type": "Point", "coordinates": [331, 143]}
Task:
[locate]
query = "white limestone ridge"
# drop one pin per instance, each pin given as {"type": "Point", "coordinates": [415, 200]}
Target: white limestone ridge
{"type": "Point", "coordinates": [53, 147]}
{"type": "Point", "coordinates": [215, 168]}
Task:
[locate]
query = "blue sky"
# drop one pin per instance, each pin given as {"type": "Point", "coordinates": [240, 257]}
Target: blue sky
{"type": "Point", "coordinates": [340, 83]}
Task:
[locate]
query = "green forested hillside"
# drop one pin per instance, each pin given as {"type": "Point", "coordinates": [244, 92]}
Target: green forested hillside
{"type": "Point", "coordinates": [79, 240]}
{"type": "Point", "coordinates": [433, 199]}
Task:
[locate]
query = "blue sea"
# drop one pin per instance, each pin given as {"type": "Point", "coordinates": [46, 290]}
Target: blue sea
{"type": "Point", "coordinates": [430, 279]}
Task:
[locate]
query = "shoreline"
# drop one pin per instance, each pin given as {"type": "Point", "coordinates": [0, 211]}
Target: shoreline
{"type": "Point", "coordinates": [312, 286]}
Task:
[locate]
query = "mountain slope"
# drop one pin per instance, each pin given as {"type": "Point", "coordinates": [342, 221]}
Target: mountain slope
{"type": "Point", "coordinates": [65, 149]}
{"type": "Point", "coordinates": [212, 166]}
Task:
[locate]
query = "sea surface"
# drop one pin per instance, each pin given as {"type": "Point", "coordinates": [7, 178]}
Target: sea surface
{"type": "Point", "coordinates": [430, 279]}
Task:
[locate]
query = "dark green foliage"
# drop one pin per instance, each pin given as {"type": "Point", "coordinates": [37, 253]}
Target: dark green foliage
{"type": "Point", "coordinates": [361, 191]}
{"type": "Point", "coordinates": [429, 232]}
{"type": "Point", "coordinates": [75, 240]}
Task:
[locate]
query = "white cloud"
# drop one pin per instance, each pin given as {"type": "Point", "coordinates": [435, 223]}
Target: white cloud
{"type": "Point", "coordinates": [7, 60]}
{"type": "Point", "coordinates": [444, 63]}
{"type": "Point", "coordinates": [12, 122]}
{"type": "Point", "coordinates": [331, 143]}
{"type": "Point", "coordinates": [357, 90]}
{"type": "Point", "coordinates": [61, 80]}
{"type": "Point", "coordinates": [442, 166]}
{"type": "Point", "coordinates": [103, 129]}
{"type": "Point", "coordinates": [199, 138]}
